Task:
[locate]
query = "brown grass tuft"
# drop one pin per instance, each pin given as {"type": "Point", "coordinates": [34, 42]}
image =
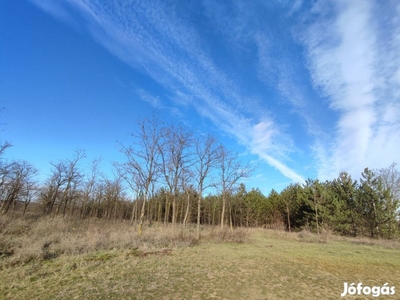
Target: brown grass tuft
{"type": "Point", "coordinates": [237, 235]}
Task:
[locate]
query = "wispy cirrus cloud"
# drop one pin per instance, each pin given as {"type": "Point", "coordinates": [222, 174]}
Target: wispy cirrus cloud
{"type": "Point", "coordinates": [353, 60]}
{"type": "Point", "coordinates": [162, 43]}
{"type": "Point", "coordinates": [54, 8]}
{"type": "Point", "coordinates": [147, 97]}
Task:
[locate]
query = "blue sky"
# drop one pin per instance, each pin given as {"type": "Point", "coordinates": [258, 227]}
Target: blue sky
{"type": "Point", "coordinates": [305, 88]}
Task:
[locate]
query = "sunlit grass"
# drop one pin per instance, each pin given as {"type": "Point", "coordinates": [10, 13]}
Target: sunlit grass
{"type": "Point", "coordinates": [160, 265]}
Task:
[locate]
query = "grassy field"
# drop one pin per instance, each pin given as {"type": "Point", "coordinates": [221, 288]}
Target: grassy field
{"type": "Point", "coordinates": [57, 259]}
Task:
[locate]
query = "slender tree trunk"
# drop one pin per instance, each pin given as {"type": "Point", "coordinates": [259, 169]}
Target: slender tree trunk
{"type": "Point", "coordinates": [223, 210]}
{"type": "Point", "coordinates": [173, 210]}
{"type": "Point", "coordinates": [149, 212]}
{"type": "Point", "coordinates": [181, 211]}
{"type": "Point", "coordinates": [133, 218]}
{"type": "Point", "coordinates": [288, 217]}
{"type": "Point", "coordinates": [65, 207]}
{"type": "Point", "coordinates": [167, 208]}
{"type": "Point", "coordinates": [25, 207]}
{"type": "Point", "coordinates": [142, 216]}
{"type": "Point", "coordinates": [198, 216]}
{"type": "Point", "coordinates": [14, 203]}
{"type": "Point", "coordinates": [187, 210]}
{"type": "Point", "coordinates": [83, 209]}
{"type": "Point", "coordinates": [159, 211]}
{"type": "Point", "coordinates": [230, 218]}
{"type": "Point", "coordinates": [115, 210]}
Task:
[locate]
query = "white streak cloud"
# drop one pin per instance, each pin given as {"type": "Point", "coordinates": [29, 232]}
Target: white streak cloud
{"type": "Point", "coordinates": [352, 62]}
{"type": "Point", "coordinates": [161, 43]}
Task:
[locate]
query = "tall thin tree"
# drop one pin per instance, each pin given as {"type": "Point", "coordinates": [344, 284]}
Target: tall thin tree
{"type": "Point", "coordinates": [206, 157]}
{"type": "Point", "coordinates": [230, 170]}
{"type": "Point", "coordinates": [142, 159]}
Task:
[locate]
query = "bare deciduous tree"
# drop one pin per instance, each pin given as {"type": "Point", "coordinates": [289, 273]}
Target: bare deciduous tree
{"type": "Point", "coordinates": [141, 168]}
{"type": "Point", "coordinates": [175, 159]}
{"type": "Point", "coordinates": [206, 157]}
{"type": "Point", "coordinates": [16, 184]}
{"type": "Point", "coordinates": [73, 178]}
{"type": "Point", "coordinates": [231, 170]}
{"type": "Point", "coordinates": [89, 186]}
{"type": "Point", "coordinates": [62, 185]}
{"type": "Point", "coordinates": [390, 178]}
{"type": "Point", "coordinates": [187, 187]}
{"type": "Point", "coordinates": [113, 192]}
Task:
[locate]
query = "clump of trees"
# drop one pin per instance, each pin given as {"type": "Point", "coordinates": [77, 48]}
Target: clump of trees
{"type": "Point", "coordinates": [17, 183]}
{"type": "Point", "coordinates": [173, 176]}
{"type": "Point", "coordinates": [170, 160]}
{"type": "Point", "coordinates": [347, 207]}
{"type": "Point", "coordinates": [166, 171]}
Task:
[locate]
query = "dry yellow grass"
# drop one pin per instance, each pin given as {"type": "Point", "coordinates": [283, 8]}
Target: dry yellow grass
{"type": "Point", "coordinates": [107, 260]}
{"type": "Point", "coordinates": [24, 240]}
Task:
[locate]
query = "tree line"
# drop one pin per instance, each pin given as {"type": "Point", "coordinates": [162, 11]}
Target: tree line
{"type": "Point", "coordinates": [169, 173]}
